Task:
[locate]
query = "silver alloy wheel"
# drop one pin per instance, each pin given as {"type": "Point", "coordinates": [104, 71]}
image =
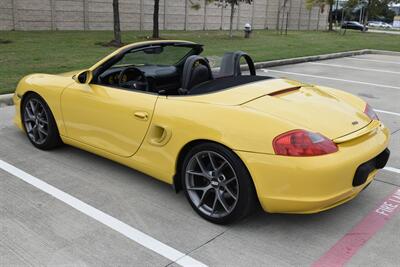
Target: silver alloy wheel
{"type": "Point", "coordinates": [36, 121]}
{"type": "Point", "coordinates": [212, 184]}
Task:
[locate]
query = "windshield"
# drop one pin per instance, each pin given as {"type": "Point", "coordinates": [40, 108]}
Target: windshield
{"type": "Point", "coordinates": [155, 55]}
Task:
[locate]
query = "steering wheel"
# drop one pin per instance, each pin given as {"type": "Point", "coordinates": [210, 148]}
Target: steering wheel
{"type": "Point", "coordinates": [133, 78]}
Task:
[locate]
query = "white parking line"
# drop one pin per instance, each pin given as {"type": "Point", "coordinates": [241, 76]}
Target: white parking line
{"type": "Point", "coordinates": [354, 68]}
{"type": "Point", "coordinates": [373, 60]}
{"type": "Point", "coordinates": [387, 112]}
{"type": "Point", "coordinates": [330, 78]}
{"type": "Point", "coordinates": [119, 226]}
{"type": "Point", "coordinates": [391, 169]}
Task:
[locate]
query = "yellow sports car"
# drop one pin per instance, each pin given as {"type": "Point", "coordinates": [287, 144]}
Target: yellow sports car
{"type": "Point", "coordinates": [230, 141]}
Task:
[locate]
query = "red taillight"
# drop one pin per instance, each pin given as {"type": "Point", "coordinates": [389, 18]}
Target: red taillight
{"type": "Point", "coordinates": [301, 143]}
{"type": "Point", "coordinates": [369, 111]}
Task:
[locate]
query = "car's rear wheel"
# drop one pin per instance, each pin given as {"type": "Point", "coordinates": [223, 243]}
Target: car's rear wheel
{"type": "Point", "coordinates": [39, 123]}
{"type": "Point", "coordinates": [217, 184]}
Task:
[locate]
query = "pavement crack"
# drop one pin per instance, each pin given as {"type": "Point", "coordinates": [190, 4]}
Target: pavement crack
{"type": "Point", "coordinates": [198, 247]}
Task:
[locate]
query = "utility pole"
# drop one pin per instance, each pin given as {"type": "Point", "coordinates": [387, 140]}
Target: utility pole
{"type": "Point", "coordinates": [222, 16]}
{"type": "Point", "coordinates": [205, 15]}
{"type": "Point", "coordinates": [336, 10]}
{"type": "Point", "coordinates": [141, 15]}
{"type": "Point", "coordinates": [186, 16]}
{"type": "Point", "coordinates": [14, 14]}
{"type": "Point", "coordinates": [165, 16]}
{"type": "Point", "coordinates": [266, 15]}
{"type": "Point", "coordinates": [299, 21]}
{"type": "Point", "coordinates": [238, 16]}
{"type": "Point", "coordinates": [252, 12]}
{"type": "Point", "coordinates": [86, 15]}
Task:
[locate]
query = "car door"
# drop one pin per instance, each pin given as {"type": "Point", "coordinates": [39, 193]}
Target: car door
{"type": "Point", "coordinates": [112, 119]}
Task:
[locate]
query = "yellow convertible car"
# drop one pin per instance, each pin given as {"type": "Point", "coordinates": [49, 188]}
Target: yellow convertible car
{"type": "Point", "coordinates": [230, 141]}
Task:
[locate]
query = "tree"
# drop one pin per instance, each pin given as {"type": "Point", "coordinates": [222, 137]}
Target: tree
{"type": "Point", "coordinates": [330, 14]}
{"type": "Point", "coordinates": [117, 28]}
{"type": "Point", "coordinates": [196, 6]}
{"type": "Point", "coordinates": [282, 11]}
{"type": "Point", "coordinates": [364, 7]}
{"type": "Point", "coordinates": [377, 9]}
{"type": "Point", "coordinates": [156, 32]}
{"type": "Point", "coordinates": [232, 4]}
{"type": "Point", "coordinates": [321, 4]}
{"type": "Point", "coordinates": [367, 5]}
{"type": "Point", "coordinates": [224, 4]}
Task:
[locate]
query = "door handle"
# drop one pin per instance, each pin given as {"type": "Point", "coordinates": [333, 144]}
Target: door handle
{"type": "Point", "coordinates": [141, 115]}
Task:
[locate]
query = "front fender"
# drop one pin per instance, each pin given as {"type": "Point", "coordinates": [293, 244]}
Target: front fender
{"type": "Point", "coordinates": [49, 87]}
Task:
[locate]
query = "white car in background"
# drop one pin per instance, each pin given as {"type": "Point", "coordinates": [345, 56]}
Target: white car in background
{"type": "Point", "coordinates": [379, 24]}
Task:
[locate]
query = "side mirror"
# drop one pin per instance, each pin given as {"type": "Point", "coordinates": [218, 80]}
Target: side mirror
{"type": "Point", "coordinates": [84, 77]}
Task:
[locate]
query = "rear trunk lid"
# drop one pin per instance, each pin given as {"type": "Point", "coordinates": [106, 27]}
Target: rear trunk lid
{"type": "Point", "coordinates": [312, 109]}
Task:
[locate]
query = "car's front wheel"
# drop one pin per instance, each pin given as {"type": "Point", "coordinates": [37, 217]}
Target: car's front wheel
{"type": "Point", "coordinates": [217, 184]}
{"type": "Point", "coordinates": [39, 123]}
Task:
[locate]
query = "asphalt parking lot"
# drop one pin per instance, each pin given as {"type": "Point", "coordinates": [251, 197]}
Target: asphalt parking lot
{"type": "Point", "coordinates": [40, 229]}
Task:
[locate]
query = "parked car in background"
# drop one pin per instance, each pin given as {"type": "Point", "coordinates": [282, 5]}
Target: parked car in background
{"type": "Point", "coordinates": [387, 25]}
{"type": "Point", "coordinates": [380, 24]}
{"type": "Point", "coordinates": [374, 23]}
{"type": "Point", "coordinates": [354, 25]}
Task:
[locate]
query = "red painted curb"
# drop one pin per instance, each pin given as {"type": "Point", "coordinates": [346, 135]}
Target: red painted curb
{"type": "Point", "coordinates": [349, 244]}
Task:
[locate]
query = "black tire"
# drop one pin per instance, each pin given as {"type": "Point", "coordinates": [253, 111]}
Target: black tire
{"type": "Point", "coordinates": [52, 139]}
{"type": "Point", "coordinates": [246, 199]}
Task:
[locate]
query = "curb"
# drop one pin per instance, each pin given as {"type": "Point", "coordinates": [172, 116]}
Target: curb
{"type": "Point", "coordinates": [384, 52]}
{"type": "Point", "coordinates": [6, 100]}
{"type": "Point", "coordinates": [296, 60]}
{"type": "Point", "coordinates": [280, 62]}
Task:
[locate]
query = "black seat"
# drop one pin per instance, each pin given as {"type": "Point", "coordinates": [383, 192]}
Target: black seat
{"type": "Point", "coordinates": [230, 64]}
{"type": "Point", "coordinates": [195, 71]}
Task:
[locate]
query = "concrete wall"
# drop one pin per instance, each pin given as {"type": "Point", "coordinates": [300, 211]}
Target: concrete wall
{"type": "Point", "coordinates": [137, 15]}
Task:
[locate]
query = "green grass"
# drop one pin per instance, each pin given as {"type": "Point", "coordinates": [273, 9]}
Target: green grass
{"type": "Point", "coordinates": [61, 51]}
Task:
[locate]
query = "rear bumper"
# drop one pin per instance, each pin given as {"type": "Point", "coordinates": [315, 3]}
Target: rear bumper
{"type": "Point", "coordinates": [313, 184]}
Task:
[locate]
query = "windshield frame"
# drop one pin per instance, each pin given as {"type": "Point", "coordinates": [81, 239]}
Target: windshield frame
{"type": "Point", "coordinates": [136, 50]}
{"type": "Point", "coordinates": [197, 49]}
